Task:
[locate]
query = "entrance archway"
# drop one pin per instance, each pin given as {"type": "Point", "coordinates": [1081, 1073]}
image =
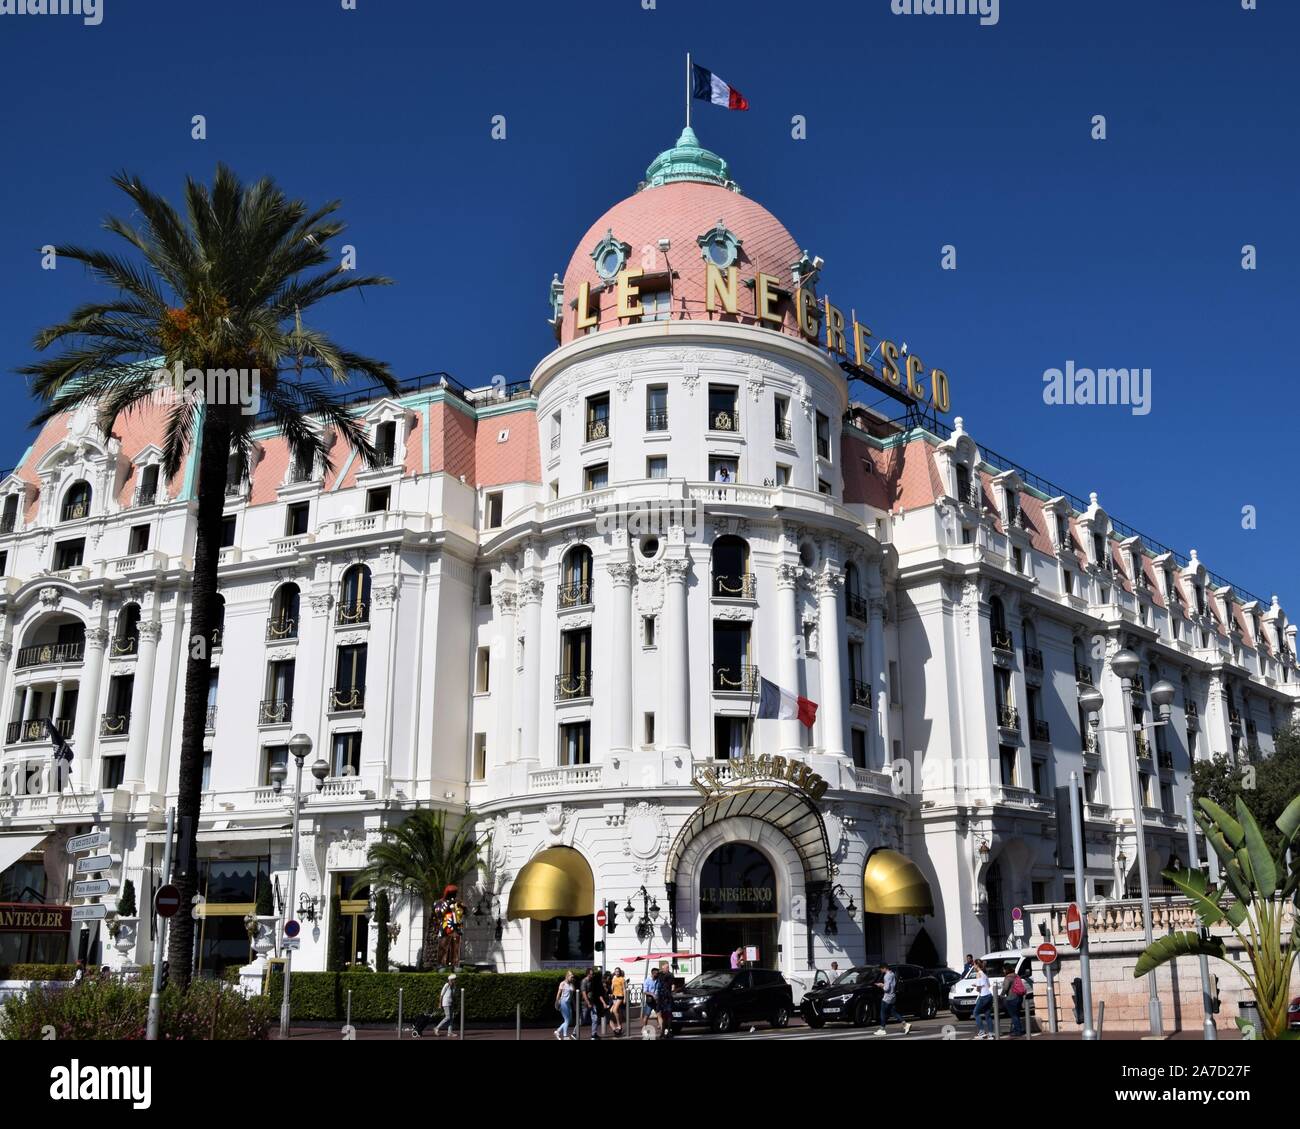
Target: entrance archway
{"type": "Point", "coordinates": [738, 906]}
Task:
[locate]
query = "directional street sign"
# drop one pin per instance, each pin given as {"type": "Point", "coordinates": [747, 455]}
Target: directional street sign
{"type": "Point", "coordinates": [93, 864]}
{"type": "Point", "coordinates": [91, 842]}
{"type": "Point", "coordinates": [89, 913]}
{"type": "Point", "coordinates": [91, 888]}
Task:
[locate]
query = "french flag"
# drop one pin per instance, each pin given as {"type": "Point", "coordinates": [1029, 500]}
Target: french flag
{"type": "Point", "coordinates": [710, 88]}
{"type": "Point", "coordinates": [782, 704]}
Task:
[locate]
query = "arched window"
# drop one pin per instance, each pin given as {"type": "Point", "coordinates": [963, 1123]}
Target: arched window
{"type": "Point", "coordinates": [354, 596]}
{"type": "Point", "coordinates": [76, 502]}
{"type": "Point", "coordinates": [731, 576]}
{"type": "Point", "coordinates": [218, 620]}
{"type": "Point", "coordinates": [283, 623]}
{"type": "Point", "coordinates": [854, 605]}
{"type": "Point", "coordinates": [575, 578]}
{"type": "Point", "coordinates": [126, 640]}
{"type": "Point", "coordinates": [998, 623]}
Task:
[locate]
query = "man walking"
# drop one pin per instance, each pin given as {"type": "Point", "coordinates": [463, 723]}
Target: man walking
{"type": "Point", "coordinates": [590, 989]}
{"type": "Point", "coordinates": [664, 1002]}
{"type": "Point", "coordinates": [970, 963]}
{"type": "Point", "coordinates": [448, 1003]}
{"type": "Point", "coordinates": [889, 993]}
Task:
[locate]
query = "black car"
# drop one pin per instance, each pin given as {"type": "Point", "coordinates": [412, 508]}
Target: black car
{"type": "Point", "coordinates": [724, 999]}
{"type": "Point", "coordinates": [854, 997]}
{"type": "Point", "coordinates": [947, 978]}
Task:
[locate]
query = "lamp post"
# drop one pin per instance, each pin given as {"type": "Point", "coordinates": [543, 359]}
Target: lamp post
{"type": "Point", "coordinates": [300, 745]}
{"type": "Point", "coordinates": [1125, 664]}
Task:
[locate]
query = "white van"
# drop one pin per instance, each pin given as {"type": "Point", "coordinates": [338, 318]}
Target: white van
{"type": "Point", "coordinates": [961, 1000]}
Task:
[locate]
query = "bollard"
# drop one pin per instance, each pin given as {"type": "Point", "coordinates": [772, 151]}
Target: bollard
{"type": "Point", "coordinates": [997, 1019]}
{"type": "Point", "coordinates": [519, 1022]}
{"type": "Point", "coordinates": [462, 1014]}
{"type": "Point", "coordinates": [1101, 1016]}
{"type": "Point", "coordinates": [1051, 999]}
{"type": "Point", "coordinates": [349, 1007]}
{"type": "Point", "coordinates": [399, 1014]}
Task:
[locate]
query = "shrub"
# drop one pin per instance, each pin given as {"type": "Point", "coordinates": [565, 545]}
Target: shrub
{"type": "Point", "coordinates": [381, 931]}
{"type": "Point", "coordinates": [37, 971]}
{"type": "Point", "coordinates": [489, 996]}
{"type": "Point", "coordinates": [117, 1010]}
{"type": "Point", "coordinates": [126, 903]}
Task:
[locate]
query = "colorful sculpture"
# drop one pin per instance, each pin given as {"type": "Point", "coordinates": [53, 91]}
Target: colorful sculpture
{"type": "Point", "coordinates": [449, 920]}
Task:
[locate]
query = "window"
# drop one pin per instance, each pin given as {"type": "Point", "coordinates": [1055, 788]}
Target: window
{"type": "Point", "coordinates": [731, 670]}
{"type": "Point", "coordinates": [557, 429]}
{"type": "Point", "coordinates": [354, 596]}
{"type": "Point", "coordinates": [649, 731]}
{"type": "Point", "coordinates": [214, 679]}
{"type": "Point", "coordinates": [205, 780]}
{"type": "Point", "coordinates": [963, 482]}
{"type": "Point", "coordinates": [730, 737]}
{"type": "Point", "coordinates": [346, 758]}
{"type": "Point", "coordinates": [596, 477]}
{"type": "Point", "coordinates": [303, 467]}
{"type": "Point", "coordinates": [1013, 508]}
{"type": "Point", "coordinates": [722, 408]}
{"type": "Point", "coordinates": [480, 756]}
{"type": "Point", "coordinates": [555, 489]}
{"type": "Point", "coordinates": [894, 689]}
{"type": "Point", "coordinates": [1167, 799]}
{"type": "Point", "coordinates": [10, 516]}
{"type": "Point", "coordinates": [271, 756]}
{"type": "Point", "coordinates": [492, 510]}
{"type": "Point", "coordinates": [1007, 756]}
{"type": "Point", "coordinates": [781, 413]}
{"type": "Point", "coordinates": [386, 442]}
{"type": "Point", "coordinates": [1040, 777]}
{"type": "Point", "coordinates": [485, 589]}
{"type": "Point", "coordinates": [139, 539]}
{"type": "Point", "coordinates": [1090, 787]}
{"type": "Point", "coordinates": [483, 671]}
{"type": "Point", "coordinates": [227, 531]}
{"type": "Point", "coordinates": [278, 704]}
{"type": "Point", "coordinates": [295, 519]}
{"type": "Point", "coordinates": [379, 499]}
{"type": "Point", "coordinates": [350, 678]}
{"type": "Point", "coordinates": [597, 417]}
{"type": "Point", "coordinates": [655, 305]}
{"type": "Point", "coordinates": [1038, 893]}
{"type": "Point", "coordinates": [782, 474]}
{"type": "Point", "coordinates": [858, 739]}
{"type": "Point", "coordinates": [1018, 559]}
{"type": "Point", "coordinates": [656, 408]}
{"type": "Point", "coordinates": [116, 721]}
{"type": "Point", "coordinates": [1099, 548]}
{"type": "Point", "coordinates": [730, 568]}
{"type": "Point", "coordinates": [1068, 580]}
{"type": "Point", "coordinates": [76, 502]}
{"type": "Point", "coordinates": [647, 631]}
{"type": "Point", "coordinates": [967, 535]}
{"type": "Point", "coordinates": [656, 466]}
{"type": "Point", "coordinates": [4, 562]}
{"type": "Point", "coordinates": [68, 554]}
{"type": "Point", "coordinates": [114, 771]}
{"type": "Point", "coordinates": [575, 578]}
{"type": "Point", "coordinates": [723, 469]}
{"type": "Point", "coordinates": [575, 743]}
{"type": "Point", "coordinates": [574, 679]}
{"type": "Point", "coordinates": [823, 436]}
{"type": "Point", "coordinates": [1062, 531]}
{"type": "Point", "coordinates": [823, 487]}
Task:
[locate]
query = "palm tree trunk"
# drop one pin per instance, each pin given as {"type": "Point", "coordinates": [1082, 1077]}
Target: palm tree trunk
{"type": "Point", "coordinates": [213, 455]}
{"type": "Point", "coordinates": [429, 947]}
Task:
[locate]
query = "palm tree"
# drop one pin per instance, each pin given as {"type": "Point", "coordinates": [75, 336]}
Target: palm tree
{"type": "Point", "coordinates": [223, 288]}
{"type": "Point", "coordinates": [421, 859]}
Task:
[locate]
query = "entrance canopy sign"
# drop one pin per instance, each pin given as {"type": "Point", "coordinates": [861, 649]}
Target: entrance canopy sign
{"type": "Point", "coordinates": [750, 769]}
{"type": "Point", "coordinates": [25, 917]}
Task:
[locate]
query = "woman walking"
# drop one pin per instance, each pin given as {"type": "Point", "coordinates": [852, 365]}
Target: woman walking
{"type": "Point", "coordinates": [618, 993]}
{"type": "Point", "coordinates": [983, 1003]}
{"type": "Point", "coordinates": [564, 1001]}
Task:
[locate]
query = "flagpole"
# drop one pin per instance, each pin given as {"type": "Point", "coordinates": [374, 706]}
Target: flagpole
{"type": "Point", "coordinates": [688, 90]}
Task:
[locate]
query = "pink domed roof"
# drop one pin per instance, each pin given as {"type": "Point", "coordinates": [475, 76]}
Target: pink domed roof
{"type": "Point", "coordinates": [682, 211]}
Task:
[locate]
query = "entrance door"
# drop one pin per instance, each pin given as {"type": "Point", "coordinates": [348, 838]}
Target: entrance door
{"type": "Point", "coordinates": [738, 907]}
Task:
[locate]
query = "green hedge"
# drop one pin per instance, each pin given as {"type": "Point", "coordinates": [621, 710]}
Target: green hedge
{"type": "Point", "coordinates": [37, 971]}
{"type": "Point", "coordinates": [489, 996]}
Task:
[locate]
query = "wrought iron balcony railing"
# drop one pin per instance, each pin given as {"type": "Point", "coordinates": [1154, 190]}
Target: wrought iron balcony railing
{"type": "Point", "coordinates": [275, 711]}
{"type": "Point", "coordinates": [50, 654]}
{"type": "Point", "coordinates": [1140, 743]}
{"type": "Point", "coordinates": [125, 644]}
{"type": "Point", "coordinates": [734, 587]}
{"type": "Point", "coordinates": [860, 693]}
{"type": "Point", "coordinates": [1039, 730]}
{"type": "Point", "coordinates": [576, 684]}
{"type": "Point", "coordinates": [855, 606]}
{"type": "Point", "coordinates": [1002, 639]}
{"type": "Point", "coordinates": [1033, 658]}
{"type": "Point", "coordinates": [114, 724]}
{"type": "Point", "coordinates": [348, 614]}
{"type": "Point", "coordinates": [210, 721]}
{"type": "Point", "coordinates": [575, 595]}
{"type": "Point", "coordinates": [34, 729]}
{"type": "Point", "coordinates": [783, 429]}
{"type": "Point", "coordinates": [7, 523]}
{"type": "Point", "coordinates": [75, 511]}
{"type": "Point", "coordinates": [742, 678]}
{"type": "Point", "coordinates": [1009, 717]}
{"type": "Point", "coordinates": [724, 421]}
{"type": "Point", "coordinates": [281, 627]}
{"type": "Point", "coordinates": [656, 421]}
{"type": "Point", "coordinates": [347, 698]}
{"type": "Point", "coordinates": [1083, 674]}
{"type": "Point", "coordinates": [597, 429]}
{"type": "Point", "coordinates": [218, 633]}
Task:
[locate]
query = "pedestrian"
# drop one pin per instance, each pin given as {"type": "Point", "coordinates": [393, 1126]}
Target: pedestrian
{"type": "Point", "coordinates": [590, 994]}
{"type": "Point", "coordinates": [983, 1002]}
{"type": "Point", "coordinates": [448, 1002]}
{"type": "Point", "coordinates": [835, 971]}
{"type": "Point", "coordinates": [1013, 996]}
{"type": "Point", "coordinates": [888, 995]}
{"type": "Point", "coordinates": [970, 963]}
{"type": "Point", "coordinates": [105, 974]}
{"type": "Point", "coordinates": [564, 1002]}
{"type": "Point", "coordinates": [79, 977]}
{"type": "Point", "coordinates": [737, 958]}
{"type": "Point", "coordinates": [618, 1001]}
{"type": "Point", "coordinates": [664, 999]}
{"type": "Point", "coordinates": [649, 996]}
{"type": "Point", "coordinates": [607, 1002]}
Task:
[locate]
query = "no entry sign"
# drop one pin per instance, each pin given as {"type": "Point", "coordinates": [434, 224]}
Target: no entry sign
{"type": "Point", "coordinates": [600, 918]}
{"type": "Point", "coordinates": [167, 901]}
{"type": "Point", "coordinates": [1047, 952]}
{"type": "Point", "coordinates": [1074, 925]}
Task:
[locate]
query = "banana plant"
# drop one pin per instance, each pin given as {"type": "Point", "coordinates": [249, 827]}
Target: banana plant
{"type": "Point", "coordinates": [1252, 900]}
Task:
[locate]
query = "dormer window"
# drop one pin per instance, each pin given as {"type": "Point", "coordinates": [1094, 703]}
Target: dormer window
{"type": "Point", "coordinates": [9, 516]}
{"type": "Point", "coordinates": [1099, 548]}
{"type": "Point", "coordinates": [76, 502]}
{"type": "Point", "coordinates": [303, 467]}
{"type": "Point", "coordinates": [1063, 531]}
{"type": "Point", "coordinates": [146, 494]}
{"type": "Point", "coordinates": [719, 246]}
{"type": "Point", "coordinates": [610, 255]}
{"type": "Point", "coordinates": [1200, 598]}
{"type": "Point", "coordinates": [386, 442]}
{"type": "Point", "coordinates": [963, 482]}
{"type": "Point", "coordinates": [1013, 509]}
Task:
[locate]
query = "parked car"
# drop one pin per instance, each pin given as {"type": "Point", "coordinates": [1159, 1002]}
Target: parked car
{"type": "Point", "coordinates": [1293, 1015]}
{"type": "Point", "coordinates": [961, 997]}
{"type": "Point", "coordinates": [724, 999]}
{"type": "Point", "coordinates": [854, 997]}
{"type": "Point", "coordinates": [947, 977]}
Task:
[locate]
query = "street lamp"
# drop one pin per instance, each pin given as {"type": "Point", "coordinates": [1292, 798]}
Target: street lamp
{"type": "Point", "coordinates": [1125, 665]}
{"type": "Point", "coordinates": [300, 745]}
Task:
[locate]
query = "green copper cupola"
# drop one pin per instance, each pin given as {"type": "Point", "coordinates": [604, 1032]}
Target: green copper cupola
{"type": "Point", "coordinates": [689, 160]}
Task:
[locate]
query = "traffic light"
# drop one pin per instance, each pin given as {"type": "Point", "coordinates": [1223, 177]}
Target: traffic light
{"type": "Point", "coordinates": [1076, 990]}
{"type": "Point", "coordinates": [600, 946]}
{"type": "Point", "coordinates": [1216, 1001]}
{"type": "Point", "coordinates": [611, 916]}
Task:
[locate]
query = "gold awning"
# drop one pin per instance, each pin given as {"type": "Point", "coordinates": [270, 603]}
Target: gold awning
{"type": "Point", "coordinates": [893, 884]}
{"type": "Point", "coordinates": [556, 883]}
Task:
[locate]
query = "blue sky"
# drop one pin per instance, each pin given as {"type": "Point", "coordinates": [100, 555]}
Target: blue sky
{"type": "Point", "coordinates": [921, 131]}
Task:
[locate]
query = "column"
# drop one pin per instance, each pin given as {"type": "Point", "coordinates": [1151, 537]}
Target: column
{"type": "Point", "coordinates": [505, 603]}
{"type": "Point", "coordinates": [879, 666]}
{"type": "Point", "coordinates": [676, 687]}
{"type": "Point", "coordinates": [832, 703]}
{"type": "Point", "coordinates": [83, 728]}
{"type": "Point", "coordinates": [141, 705]}
{"type": "Point", "coordinates": [57, 712]}
{"type": "Point", "coordinates": [620, 698]}
{"type": "Point", "coordinates": [530, 596]}
{"type": "Point", "coordinates": [789, 639]}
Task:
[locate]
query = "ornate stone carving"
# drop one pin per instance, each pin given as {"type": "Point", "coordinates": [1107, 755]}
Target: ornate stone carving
{"type": "Point", "coordinates": [829, 584]}
{"type": "Point", "coordinates": [624, 382]}
{"type": "Point", "coordinates": [621, 573]}
{"type": "Point", "coordinates": [6, 652]}
{"type": "Point", "coordinates": [676, 569]}
{"type": "Point", "coordinates": [351, 639]}
{"type": "Point", "coordinates": [504, 602]}
{"type": "Point", "coordinates": [385, 596]}
{"type": "Point", "coordinates": [573, 622]}
{"type": "Point", "coordinates": [96, 637]}
{"type": "Point", "coordinates": [737, 612]}
{"type": "Point", "coordinates": [531, 590]}
{"type": "Point", "coordinates": [321, 604]}
{"type": "Point", "coordinates": [787, 575]}
{"type": "Point", "coordinates": [150, 631]}
{"type": "Point", "coordinates": [645, 836]}
{"type": "Point", "coordinates": [556, 816]}
{"type": "Point", "coordinates": [970, 598]}
{"type": "Point", "coordinates": [690, 381]}
{"type": "Point", "coordinates": [51, 597]}
{"type": "Point", "coordinates": [650, 587]}
{"type": "Point", "coordinates": [280, 654]}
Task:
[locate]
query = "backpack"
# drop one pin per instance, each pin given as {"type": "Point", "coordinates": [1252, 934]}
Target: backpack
{"type": "Point", "coordinates": [1018, 987]}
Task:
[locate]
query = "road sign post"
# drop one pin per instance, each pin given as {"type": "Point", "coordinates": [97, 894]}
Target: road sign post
{"type": "Point", "coordinates": [1080, 892]}
{"type": "Point", "coordinates": [1047, 954]}
{"type": "Point", "coordinates": [161, 904]}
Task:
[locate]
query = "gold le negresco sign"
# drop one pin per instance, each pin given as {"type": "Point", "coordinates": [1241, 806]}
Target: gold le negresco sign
{"type": "Point", "coordinates": [752, 769]}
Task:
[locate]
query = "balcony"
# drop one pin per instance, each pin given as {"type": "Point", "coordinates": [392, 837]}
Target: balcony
{"type": "Point", "coordinates": [597, 429]}
{"type": "Point", "coordinates": [114, 725]}
{"type": "Point", "coordinates": [576, 595]}
{"type": "Point", "coordinates": [733, 587]}
{"type": "Point", "coordinates": [349, 615]}
{"type": "Point", "coordinates": [275, 711]}
{"type": "Point", "coordinates": [50, 654]}
{"type": "Point", "coordinates": [566, 778]}
{"type": "Point", "coordinates": [124, 645]}
{"type": "Point", "coordinates": [74, 511]}
{"type": "Point", "coordinates": [1002, 639]}
{"type": "Point", "coordinates": [1234, 718]}
{"type": "Point", "coordinates": [1191, 709]}
{"type": "Point", "coordinates": [1083, 675]}
{"type": "Point", "coordinates": [1033, 658]}
{"type": "Point", "coordinates": [34, 729]}
{"type": "Point", "coordinates": [656, 421]}
{"type": "Point", "coordinates": [1039, 730]}
{"type": "Point", "coordinates": [1139, 684]}
{"type": "Point", "coordinates": [142, 498]}
{"type": "Point", "coordinates": [855, 606]}
{"type": "Point", "coordinates": [742, 679]}
{"type": "Point", "coordinates": [783, 430]}
{"type": "Point", "coordinates": [724, 421]}
{"type": "Point", "coordinates": [1009, 717]}
{"type": "Point", "coordinates": [1165, 759]}
{"type": "Point", "coordinates": [7, 523]}
{"type": "Point", "coordinates": [347, 698]}
{"type": "Point", "coordinates": [1143, 749]}
{"type": "Point", "coordinates": [555, 441]}
{"type": "Point", "coordinates": [281, 628]}
{"type": "Point", "coordinates": [859, 693]}
{"type": "Point", "coordinates": [210, 721]}
{"type": "Point", "coordinates": [571, 686]}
